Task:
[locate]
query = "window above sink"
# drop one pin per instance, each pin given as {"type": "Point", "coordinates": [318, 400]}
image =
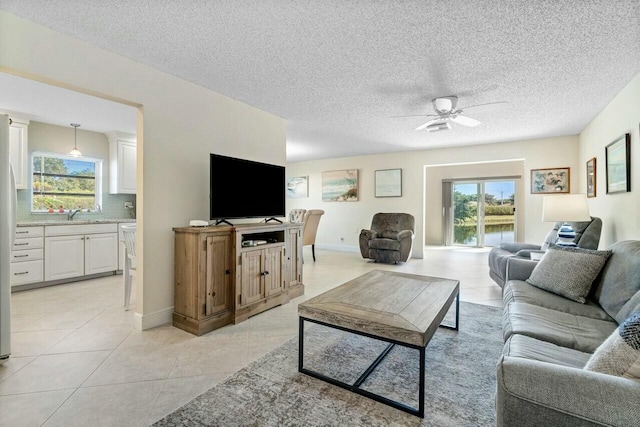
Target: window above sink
{"type": "Point", "coordinates": [62, 182]}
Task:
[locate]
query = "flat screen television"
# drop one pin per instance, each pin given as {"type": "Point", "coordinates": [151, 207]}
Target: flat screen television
{"type": "Point", "coordinates": [245, 189]}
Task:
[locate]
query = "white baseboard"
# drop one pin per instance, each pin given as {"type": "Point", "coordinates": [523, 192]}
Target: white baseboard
{"type": "Point", "coordinates": [152, 320]}
{"type": "Point", "coordinates": [342, 248]}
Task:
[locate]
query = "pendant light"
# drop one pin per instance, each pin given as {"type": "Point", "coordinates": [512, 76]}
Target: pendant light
{"type": "Point", "coordinates": [75, 152]}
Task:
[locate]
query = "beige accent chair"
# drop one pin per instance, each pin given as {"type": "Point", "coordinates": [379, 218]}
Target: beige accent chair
{"type": "Point", "coordinates": [310, 229]}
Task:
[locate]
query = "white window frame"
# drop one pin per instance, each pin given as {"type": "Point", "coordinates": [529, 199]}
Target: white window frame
{"type": "Point", "coordinates": [98, 177]}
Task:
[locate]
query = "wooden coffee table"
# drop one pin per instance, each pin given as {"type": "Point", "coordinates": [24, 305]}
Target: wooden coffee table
{"type": "Point", "coordinates": [401, 309]}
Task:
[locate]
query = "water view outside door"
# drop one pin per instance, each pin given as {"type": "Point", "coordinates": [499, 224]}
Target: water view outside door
{"type": "Point", "coordinates": [484, 221]}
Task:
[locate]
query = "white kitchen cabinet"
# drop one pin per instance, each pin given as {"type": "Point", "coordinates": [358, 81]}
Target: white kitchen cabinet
{"type": "Point", "coordinates": [122, 163]}
{"type": "Point", "coordinates": [80, 250]}
{"type": "Point", "coordinates": [100, 253]}
{"type": "Point", "coordinates": [64, 257]}
{"type": "Point", "coordinates": [19, 152]}
{"type": "Point", "coordinates": [27, 257]}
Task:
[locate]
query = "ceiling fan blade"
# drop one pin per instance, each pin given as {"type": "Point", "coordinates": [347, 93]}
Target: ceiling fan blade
{"type": "Point", "coordinates": [415, 115]}
{"type": "Point", "coordinates": [487, 105]}
{"type": "Point", "coordinates": [430, 122]}
{"type": "Point", "coordinates": [465, 121]}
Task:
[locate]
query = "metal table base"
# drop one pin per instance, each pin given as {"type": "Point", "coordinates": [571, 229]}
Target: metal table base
{"type": "Point", "coordinates": [355, 387]}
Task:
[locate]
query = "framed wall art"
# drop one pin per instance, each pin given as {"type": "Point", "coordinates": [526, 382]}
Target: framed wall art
{"type": "Point", "coordinates": [591, 178]}
{"type": "Point", "coordinates": [618, 162]}
{"type": "Point", "coordinates": [297, 187]}
{"type": "Point", "coordinates": [551, 180]}
{"type": "Point", "coordinates": [388, 183]}
{"type": "Point", "coordinates": [340, 186]}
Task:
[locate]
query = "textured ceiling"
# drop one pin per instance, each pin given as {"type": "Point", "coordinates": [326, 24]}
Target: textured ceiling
{"type": "Point", "coordinates": [338, 70]}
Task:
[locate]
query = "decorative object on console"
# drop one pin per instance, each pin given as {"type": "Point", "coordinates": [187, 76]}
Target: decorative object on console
{"type": "Point", "coordinates": [591, 178]}
{"type": "Point", "coordinates": [75, 152]}
{"type": "Point", "coordinates": [618, 159]}
{"type": "Point", "coordinates": [620, 353]}
{"type": "Point", "coordinates": [340, 186]}
{"type": "Point", "coordinates": [297, 187]}
{"type": "Point", "coordinates": [551, 180]}
{"type": "Point", "coordinates": [388, 183]}
{"type": "Point", "coordinates": [568, 272]}
{"type": "Point", "coordinates": [570, 207]}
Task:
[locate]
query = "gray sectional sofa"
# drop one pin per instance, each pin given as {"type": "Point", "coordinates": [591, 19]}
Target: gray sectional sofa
{"type": "Point", "coordinates": [541, 380]}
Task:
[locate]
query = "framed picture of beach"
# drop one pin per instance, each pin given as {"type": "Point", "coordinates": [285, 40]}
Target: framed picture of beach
{"type": "Point", "coordinates": [551, 180]}
{"type": "Point", "coordinates": [297, 187]}
{"type": "Point", "coordinates": [388, 183]}
{"type": "Point", "coordinates": [618, 162]}
{"type": "Point", "coordinates": [340, 186]}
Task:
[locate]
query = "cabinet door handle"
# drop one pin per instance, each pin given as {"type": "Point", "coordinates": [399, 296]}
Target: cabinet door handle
{"type": "Point", "coordinates": [22, 232]}
{"type": "Point", "coordinates": [21, 273]}
{"type": "Point", "coordinates": [266, 272]}
{"type": "Point", "coordinates": [227, 272]}
{"type": "Point", "coordinates": [20, 256]}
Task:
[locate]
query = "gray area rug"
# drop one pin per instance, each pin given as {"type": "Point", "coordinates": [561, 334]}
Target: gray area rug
{"type": "Point", "coordinates": [460, 381]}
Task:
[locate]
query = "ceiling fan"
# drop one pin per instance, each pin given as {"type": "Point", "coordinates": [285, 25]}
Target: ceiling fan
{"type": "Point", "coordinates": [447, 111]}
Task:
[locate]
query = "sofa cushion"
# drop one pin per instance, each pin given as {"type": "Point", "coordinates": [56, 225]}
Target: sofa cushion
{"type": "Point", "coordinates": [620, 279]}
{"type": "Point", "coordinates": [519, 291]}
{"type": "Point", "coordinates": [542, 351]}
{"type": "Point", "coordinates": [564, 329]}
{"type": "Point", "coordinates": [568, 272]}
{"type": "Point", "coordinates": [620, 354]}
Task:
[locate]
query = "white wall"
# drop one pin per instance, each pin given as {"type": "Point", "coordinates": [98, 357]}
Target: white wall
{"type": "Point", "coordinates": [619, 211]}
{"type": "Point", "coordinates": [182, 124]}
{"type": "Point", "coordinates": [346, 219]}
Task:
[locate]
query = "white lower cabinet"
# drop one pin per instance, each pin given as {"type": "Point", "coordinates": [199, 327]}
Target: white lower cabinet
{"type": "Point", "coordinates": [100, 253]}
{"type": "Point", "coordinates": [78, 254]}
{"type": "Point", "coordinates": [64, 257]}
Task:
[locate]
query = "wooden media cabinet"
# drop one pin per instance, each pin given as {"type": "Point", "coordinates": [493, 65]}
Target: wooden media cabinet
{"type": "Point", "coordinates": [225, 274]}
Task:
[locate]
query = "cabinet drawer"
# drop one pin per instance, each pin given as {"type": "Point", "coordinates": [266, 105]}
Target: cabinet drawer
{"type": "Point", "coordinates": [27, 255]}
{"type": "Point", "coordinates": [29, 232]}
{"type": "Point", "coordinates": [26, 272]}
{"type": "Point", "coordinates": [28, 243]}
{"type": "Point", "coordinates": [69, 230]}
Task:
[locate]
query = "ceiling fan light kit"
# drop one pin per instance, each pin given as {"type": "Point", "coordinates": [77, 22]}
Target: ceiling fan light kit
{"type": "Point", "coordinates": [437, 127]}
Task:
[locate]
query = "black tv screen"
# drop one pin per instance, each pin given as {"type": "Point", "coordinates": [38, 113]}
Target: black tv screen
{"type": "Point", "coordinates": [245, 189]}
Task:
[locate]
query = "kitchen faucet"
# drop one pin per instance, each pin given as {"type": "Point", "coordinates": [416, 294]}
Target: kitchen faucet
{"type": "Point", "coordinates": [72, 213]}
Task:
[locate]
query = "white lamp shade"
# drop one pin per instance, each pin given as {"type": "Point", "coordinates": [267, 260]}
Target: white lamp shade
{"type": "Point", "coordinates": [566, 207]}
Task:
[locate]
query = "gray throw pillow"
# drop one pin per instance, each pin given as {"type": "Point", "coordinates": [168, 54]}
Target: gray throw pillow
{"type": "Point", "coordinates": [568, 271]}
{"type": "Point", "coordinates": [620, 353]}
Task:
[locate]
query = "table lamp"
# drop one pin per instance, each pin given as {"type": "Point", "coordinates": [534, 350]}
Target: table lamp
{"type": "Point", "coordinates": [565, 208]}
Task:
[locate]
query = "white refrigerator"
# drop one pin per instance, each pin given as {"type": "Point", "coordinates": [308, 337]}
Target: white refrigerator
{"type": "Point", "coordinates": [7, 234]}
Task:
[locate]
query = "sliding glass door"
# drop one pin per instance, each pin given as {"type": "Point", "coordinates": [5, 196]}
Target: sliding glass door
{"type": "Point", "coordinates": [480, 213]}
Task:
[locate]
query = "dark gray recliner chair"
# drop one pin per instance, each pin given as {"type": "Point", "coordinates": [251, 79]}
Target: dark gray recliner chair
{"type": "Point", "coordinates": [390, 238]}
{"type": "Point", "coordinates": [587, 237]}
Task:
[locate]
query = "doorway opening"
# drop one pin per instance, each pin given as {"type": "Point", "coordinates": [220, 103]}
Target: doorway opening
{"type": "Point", "coordinates": [479, 213]}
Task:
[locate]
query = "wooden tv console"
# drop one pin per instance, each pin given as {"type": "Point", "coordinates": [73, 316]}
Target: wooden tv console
{"type": "Point", "coordinates": [218, 280]}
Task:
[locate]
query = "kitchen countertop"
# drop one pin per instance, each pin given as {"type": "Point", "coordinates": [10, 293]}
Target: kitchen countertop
{"type": "Point", "coordinates": [74, 222]}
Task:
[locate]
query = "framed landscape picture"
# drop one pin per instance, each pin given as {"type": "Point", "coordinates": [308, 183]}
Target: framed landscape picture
{"type": "Point", "coordinates": [297, 187]}
{"type": "Point", "coordinates": [551, 180]}
{"type": "Point", "coordinates": [340, 186]}
{"type": "Point", "coordinates": [591, 178]}
{"type": "Point", "coordinates": [388, 183]}
{"type": "Point", "coordinates": [618, 162]}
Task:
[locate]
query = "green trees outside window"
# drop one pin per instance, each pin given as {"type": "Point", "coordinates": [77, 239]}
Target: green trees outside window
{"type": "Point", "coordinates": [64, 183]}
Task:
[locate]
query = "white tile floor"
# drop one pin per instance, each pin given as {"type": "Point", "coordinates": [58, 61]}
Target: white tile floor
{"type": "Point", "coordinates": [78, 361]}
